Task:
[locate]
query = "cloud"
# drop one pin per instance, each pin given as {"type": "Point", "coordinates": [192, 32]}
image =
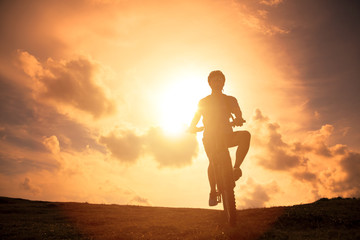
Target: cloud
{"type": "Point", "coordinates": [21, 137]}
{"type": "Point", "coordinates": [166, 150]}
{"type": "Point", "coordinates": [30, 64]}
{"type": "Point", "coordinates": [271, 2]}
{"type": "Point", "coordinates": [137, 200]}
{"type": "Point", "coordinates": [52, 143]}
{"type": "Point", "coordinates": [25, 122]}
{"type": "Point", "coordinates": [311, 160]}
{"type": "Point", "coordinates": [306, 176]}
{"type": "Point", "coordinates": [279, 159]}
{"type": "Point", "coordinates": [258, 116]}
{"type": "Point", "coordinates": [16, 103]}
{"type": "Point", "coordinates": [316, 142]}
{"type": "Point", "coordinates": [171, 151]}
{"type": "Point", "coordinates": [320, 52]}
{"type": "Point", "coordinates": [279, 155]}
{"type": "Point", "coordinates": [70, 82]}
{"type": "Point", "coordinates": [15, 164]}
{"type": "Point", "coordinates": [255, 16]}
{"type": "Point", "coordinates": [256, 195]}
{"type": "Point", "coordinates": [350, 164]}
{"type": "Point", "coordinates": [29, 187]}
{"type": "Point", "coordinates": [33, 134]}
{"type": "Point", "coordinates": [125, 145]}
{"type": "Point", "coordinates": [287, 155]}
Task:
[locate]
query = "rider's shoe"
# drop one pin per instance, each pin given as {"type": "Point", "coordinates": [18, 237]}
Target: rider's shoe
{"type": "Point", "coordinates": [237, 173]}
{"type": "Point", "coordinates": [213, 199]}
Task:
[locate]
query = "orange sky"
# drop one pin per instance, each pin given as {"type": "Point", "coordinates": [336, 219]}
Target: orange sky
{"type": "Point", "coordinates": [95, 94]}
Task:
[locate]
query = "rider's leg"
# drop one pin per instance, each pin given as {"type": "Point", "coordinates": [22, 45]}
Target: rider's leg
{"type": "Point", "coordinates": [211, 176]}
{"type": "Point", "coordinates": [209, 150]}
{"type": "Point", "coordinates": [241, 139]}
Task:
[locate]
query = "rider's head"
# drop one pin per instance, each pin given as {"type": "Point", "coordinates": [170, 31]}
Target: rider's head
{"type": "Point", "coordinates": [216, 80]}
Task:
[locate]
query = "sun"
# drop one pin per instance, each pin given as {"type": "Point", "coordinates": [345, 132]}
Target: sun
{"type": "Point", "coordinates": [178, 101]}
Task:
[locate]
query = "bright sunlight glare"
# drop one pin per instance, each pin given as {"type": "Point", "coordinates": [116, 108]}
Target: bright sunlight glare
{"type": "Point", "coordinates": [178, 103]}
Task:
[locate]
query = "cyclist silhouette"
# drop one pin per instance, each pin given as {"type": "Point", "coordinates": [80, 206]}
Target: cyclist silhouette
{"type": "Point", "coordinates": [216, 110]}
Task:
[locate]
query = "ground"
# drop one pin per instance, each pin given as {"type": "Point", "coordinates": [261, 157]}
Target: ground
{"type": "Point", "coordinates": [324, 219]}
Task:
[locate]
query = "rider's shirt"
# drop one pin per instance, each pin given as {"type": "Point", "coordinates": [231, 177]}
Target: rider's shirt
{"type": "Point", "coordinates": [216, 110]}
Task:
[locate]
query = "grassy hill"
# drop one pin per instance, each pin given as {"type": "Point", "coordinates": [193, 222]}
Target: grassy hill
{"type": "Point", "coordinates": [325, 219]}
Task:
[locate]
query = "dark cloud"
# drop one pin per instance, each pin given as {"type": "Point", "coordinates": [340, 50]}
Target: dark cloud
{"type": "Point", "coordinates": [306, 176]}
{"type": "Point", "coordinates": [323, 47]}
{"type": "Point", "coordinates": [25, 121]}
{"type": "Point", "coordinates": [14, 165]}
{"type": "Point", "coordinates": [255, 16]}
{"type": "Point", "coordinates": [31, 133]}
{"type": "Point", "coordinates": [167, 151]}
{"type": "Point", "coordinates": [275, 138]}
{"type": "Point", "coordinates": [72, 135]}
{"type": "Point", "coordinates": [171, 151]}
{"type": "Point", "coordinates": [280, 160]}
{"type": "Point", "coordinates": [21, 137]}
{"type": "Point", "coordinates": [29, 187]}
{"type": "Point", "coordinates": [299, 159]}
{"type": "Point", "coordinates": [315, 44]}
{"type": "Point", "coordinates": [271, 2]}
{"type": "Point", "coordinates": [73, 83]}
{"type": "Point", "coordinates": [257, 195]}
{"type": "Point", "coordinates": [15, 106]}
{"type": "Point", "coordinates": [280, 157]}
{"type": "Point", "coordinates": [317, 143]}
{"type": "Point", "coordinates": [351, 165]}
{"type": "Point", "coordinates": [70, 82]}
{"type": "Point", "coordinates": [125, 146]}
{"type": "Point", "coordinates": [31, 26]}
{"type": "Point", "coordinates": [340, 149]}
{"type": "Point", "coordinates": [137, 200]}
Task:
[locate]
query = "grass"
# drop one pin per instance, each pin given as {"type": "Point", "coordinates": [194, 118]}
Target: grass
{"type": "Point", "coordinates": [324, 219]}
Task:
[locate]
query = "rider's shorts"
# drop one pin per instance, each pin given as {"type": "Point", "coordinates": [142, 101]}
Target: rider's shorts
{"type": "Point", "coordinates": [217, 147]}
{"type": "Point", "coordinates": [220, 144]}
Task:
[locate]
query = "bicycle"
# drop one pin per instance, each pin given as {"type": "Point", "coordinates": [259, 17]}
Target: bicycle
{"type": "Point", "coordinates": [225, 182]}
{"type": "Point", "coordinates": [225, 185]}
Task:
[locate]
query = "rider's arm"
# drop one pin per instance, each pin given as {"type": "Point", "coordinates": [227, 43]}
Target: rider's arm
{"type": "Point", "coordinates": [193, 128]}
{"type": "Point", "coordinates": [195, 121]}
{"type": "Point", "coordinates": [237, 112]}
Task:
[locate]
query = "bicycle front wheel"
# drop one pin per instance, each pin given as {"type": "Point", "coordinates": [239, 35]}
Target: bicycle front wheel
{"type": "Point", "coordinates": [229, 205]}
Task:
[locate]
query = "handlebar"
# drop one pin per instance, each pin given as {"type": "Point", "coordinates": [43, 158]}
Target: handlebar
{"type": "Point", "coordinates": [234, 123]}
{"type": "Point", "coordinates": [237, 122]}
{"type": "Point", "coordinates": [196, 129]}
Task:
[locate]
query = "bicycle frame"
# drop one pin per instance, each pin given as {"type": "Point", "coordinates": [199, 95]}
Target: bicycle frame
{"type": "Point", "coordinates": [225, 183]}
{"type": "Point", "coordinates": [224, 177]}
